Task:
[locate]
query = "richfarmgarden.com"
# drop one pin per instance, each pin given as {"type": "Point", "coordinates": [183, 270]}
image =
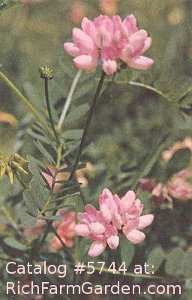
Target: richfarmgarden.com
{"type": "Point", "coordinates": [87, 288]}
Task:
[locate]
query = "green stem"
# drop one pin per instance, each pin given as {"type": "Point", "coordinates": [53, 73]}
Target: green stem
{"type": "Point", "coordinates": [24, 101]}
{"type": "Point", "coordinates": [69, 98]}
{"type": "Point", "coordinates": [49, 110]}
{"type": "Point", "coordinates": [88, 122]}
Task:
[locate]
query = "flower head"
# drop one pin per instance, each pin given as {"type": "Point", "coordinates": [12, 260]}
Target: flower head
{"type": "Point", "coordinates": [65, 229]}
{"type": "Point", "coordinates": [109, 40]}
{"type": "Point", "coordinates": [114, 215]}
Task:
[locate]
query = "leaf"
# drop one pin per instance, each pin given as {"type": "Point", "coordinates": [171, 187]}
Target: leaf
{"type": "Point", "coordinates": [39, 192]}
{"type": "Point", "coordinates": [150, 162]}
{"type": "Point", "coordinates": [69, 169]}
{"type": "Point", "coordinates": [156, 258]}
{"type": "Point", "coordinates": [15, 244]}
{"type": "Point", "coordinates": [77, 112]}
{"type": "Point", "coordinates": [127, 251]}
{"type": "Point", "coordinates": [31, 92]}
{"type": "Point", "coordinates": [30, 203]}
{"type": "Point", "coordinates": [174, 262]}
{"type": "Point", "coordinates": [44, 152]}
{"type": "Point", "coordinates": [73, 134]}
{"type": "Point", "coordinates": [187, 264]}
{"type": "Point", "coordinates": [175, 89]}
{"type": "Point", "coordinates": [51, 218]}
{"type": "Point", "coordinates": [179, 161]}
{"type": "Point", "coordinates": [39, 137]}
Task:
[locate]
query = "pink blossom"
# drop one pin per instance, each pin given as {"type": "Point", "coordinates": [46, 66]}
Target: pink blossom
{"type": "Point", "coordinates": [65, 230]}
{"type": "Point", "coordinates": [177, 187]}
{"type": "Point", "coordinates": [114, 215]}
{"type": "Point", "coordinates": [186, 143]}
{"type": "Point", "coordinates": [95, 227]}
{"type": "Point", "coordinates": [131, 210]}
{"type": "Point", "coordinates": [109, 40]}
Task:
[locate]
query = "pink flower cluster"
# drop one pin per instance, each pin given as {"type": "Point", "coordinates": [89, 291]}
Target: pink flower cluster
{"type": "Point", "coordinates": [65, 229]}
{"type": "Point", "coordinates": [109, 39]}
{"type": "Point", "coordinates": [177, 187]}
{"type": "Point", "coordinates": [114, 215]}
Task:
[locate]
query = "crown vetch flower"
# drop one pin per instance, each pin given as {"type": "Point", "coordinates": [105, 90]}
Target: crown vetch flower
{"type": "Point", "coordinates": [65, 230]}
{"type": "Point", "coordinates": [178, 187]}
{"type": "Point", "coordinates": [109, 40]}
{"type": "Point", "coordinates": [114, 215]}
{"type": "Point", "coordinates": [95, 227]}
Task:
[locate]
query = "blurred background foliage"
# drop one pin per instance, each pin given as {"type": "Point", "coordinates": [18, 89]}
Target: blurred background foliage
{"type": "Point", "coordinates": [130, 122]}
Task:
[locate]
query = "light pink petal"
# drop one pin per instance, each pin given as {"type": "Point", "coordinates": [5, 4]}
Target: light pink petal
{"type": "Point", "coordinates": [130, 225]}
{"type": "Point", "coordinates": [89, 28]}
{"type": "Point", "coordinates": [113, 241]}
{"type": "Point", "coordinates": [83, 41]}
{"type": "Point", "coordinates": [135, 236]}
{"type": "Point", "coordinates": [105, 212]}
{"type": "Point", "coordinates": [145, 221]}
{"type": "Point", "coordinates": [82, 230]}
{"type": "Point", "coordinates": [82, 217]}
{"type": "Point", "coordinates": [110, 67]}
{"type": "Point", "coordinates": [96, 249]}
{"type": "Point", "coordinates": [85, 63]}
{"type": "Point", "coordinates": [96, 228]}
{"type": "Point", "coordinates": [117, 220]}
{"type": "Point", "coordinates": [127, 201]}
{"type": "Point", "coordinates": [127, 53]}
{"type": "Point", "coordinates": [130, 24]}
{"type": "Point", "coordinates": [141, 63]}
{"type": "Point", "coordinates": [147, 45]}
{"type": "Point", "coordinates": [72, 49]}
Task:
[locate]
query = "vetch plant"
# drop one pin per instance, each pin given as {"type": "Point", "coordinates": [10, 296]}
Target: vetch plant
{"type": "Point", "coordinates": [109, 40]}
{"type": "Point", "coordinates": [114, 214]}
{"type": "Point", "coordinates": [49, 197]}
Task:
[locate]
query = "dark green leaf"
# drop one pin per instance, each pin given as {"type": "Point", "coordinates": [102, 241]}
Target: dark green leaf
{"type": "Point", "coordinates": [15, 244]}
{"type": "Point", "coordinates": [76, 113]}
{"type": "Point", "coordinates": [44, 152]}
{"type": "Point", "coordinates": [127, 251]}
{"type": "Point", "coordinates": [179, 161]}
{"type": "Point", "coordinates": [156, 258]}
{"type": "Point", "coordinates": [174, 263]}
{"type": "Point", "coordinates": [73, 134]}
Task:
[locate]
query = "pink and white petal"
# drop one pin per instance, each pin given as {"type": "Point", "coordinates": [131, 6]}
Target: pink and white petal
{"type": "Point", "coordinates": [105, 212]}
{"type": "Point", "coordinates": [72, 49]}
{"type": "Point", "coordinates": [110, 67]}
{"type": "Point", "coordinates": [97, 248]}
{"type": "Point", "coordinates": [141, 63]}
{"type": "Point", "coordinates": [82, 217]}
{"type": "Point", "coordinates": [147, 45]}
{"type": "Point", "coordinates": [82, 230]}
{"type": "Point", "coordinates": [96, 228]}
{"type": "Point", "coordinates": [135, 236]}
{"type": "Point", "coordinates": [145, 221]}
{"type": "Point", "coordinates": [113, 241]}
{"type": "Point", "coordinates": [117, 220]}
{"type": "Point", "coordinates": [130, 25]}
{"type": "Point", "coordinates": [85, 63]}
{"type": "Point", "coordinates": [127, 201]}
{"type": "Point", "coordinates": [83, 41]}
{"type": "Point", "coordinates": [89, 28]}
{"type": "Point", "coordinates": [127, 53]}
{"type": "Point", "coordinates": [130, 225]}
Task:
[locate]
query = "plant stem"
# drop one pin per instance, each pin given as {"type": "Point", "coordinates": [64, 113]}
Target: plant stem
{"type": "Point", "coordinates": [24, 101]}
{"type": "Point", "coordinates": [49, 110]}
{"type": "Point", "coordinates": [68, 101]}
{"type": "Point", "coordinates": [88, 122]}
